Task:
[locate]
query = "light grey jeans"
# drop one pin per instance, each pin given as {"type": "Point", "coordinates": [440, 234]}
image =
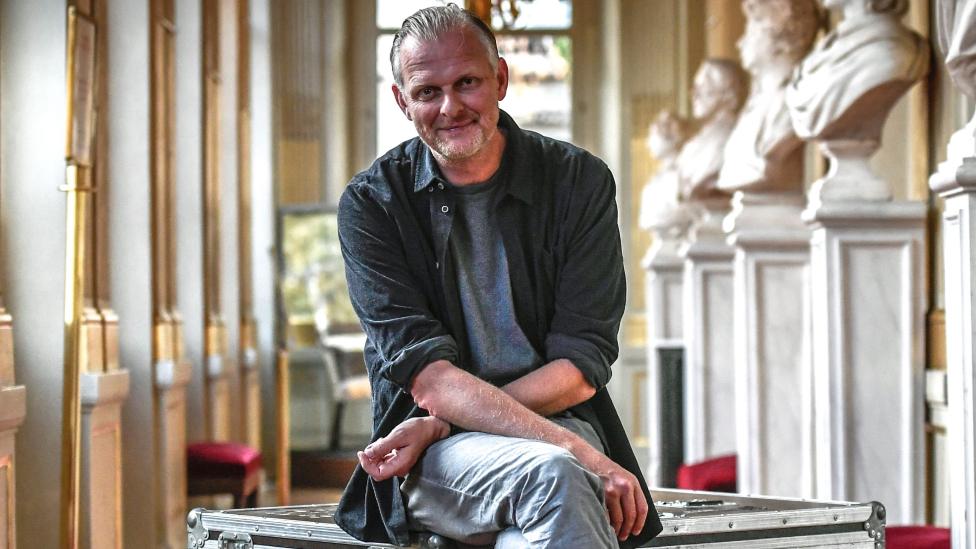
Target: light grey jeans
{"type": "Point", "coordinates": [482, 489]}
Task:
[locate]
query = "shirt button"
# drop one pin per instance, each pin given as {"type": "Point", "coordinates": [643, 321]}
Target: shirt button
{"type": "Point", "coordinates": [437, 264]}
{"type": "Point", "coordinates": [445, 209]}
{"type": "Point", "coordinates": [430, 189]}
{"type": "Point", "coordinates": [440, 186]}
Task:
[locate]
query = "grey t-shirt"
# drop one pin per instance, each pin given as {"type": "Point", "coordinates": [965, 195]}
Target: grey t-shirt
{"type": "Point", "coordinates": [500, 350]}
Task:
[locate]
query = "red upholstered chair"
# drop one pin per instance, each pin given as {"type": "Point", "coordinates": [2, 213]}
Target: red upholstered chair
{"type": "Point", "coordinates": [712, 475]}
{"type": "Point", "coordinates": [917, 537]}
{"type": "Point", "coordinates": [214, 468]}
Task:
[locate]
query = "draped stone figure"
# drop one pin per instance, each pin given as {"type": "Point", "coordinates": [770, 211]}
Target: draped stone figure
{"type": "Point", "coordinates": [845, 89]}
{"type": "Point", "coordinates": [763, 157]}
{"type": "Point", "coordinates": [661, 210]}
{"type": "Point", "coordinates": [956, 23]}
{"type": "Point", "coordinates": [717, 96]}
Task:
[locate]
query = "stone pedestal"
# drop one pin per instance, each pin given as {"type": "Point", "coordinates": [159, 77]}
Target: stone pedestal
{"type": "Point", "coordinates": [13, 409]}
{"type": "Point", "coordinates": [664, 325]}
{"type": "Point", "coordinates": [773, 384]}
{"type": "Point", "coordinates": [956, 183]}
{"type": "Point", "coordinates": [170, 379]}
{"type": "Point", "coordinates": [867, 270]}
{"type": "Point", "coordinates": [102, 397]}
{"type": "Point", "coordinates": [707, 330]}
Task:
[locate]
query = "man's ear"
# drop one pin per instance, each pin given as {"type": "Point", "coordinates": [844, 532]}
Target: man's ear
{"type": "Point", "coordinates": [401, 101]}
{"type": "Point", "coordinates": [502, 77]}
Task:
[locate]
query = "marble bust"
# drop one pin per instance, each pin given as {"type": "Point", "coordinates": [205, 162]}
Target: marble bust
{"type": "Point", "coordinates": [660, 209]}
{"type": "Point", "coordinates": [763, 153]}
{"type": "Point", "coordinates": [717, 95]}
{"type": "Point", "coordinates": [844, 90]}
{"type": "Point", "coordinates": [956, 28]}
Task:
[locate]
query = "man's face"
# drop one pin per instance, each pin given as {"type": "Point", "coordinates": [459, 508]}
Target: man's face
{"type": "Point", "coordinates": [451, 93]}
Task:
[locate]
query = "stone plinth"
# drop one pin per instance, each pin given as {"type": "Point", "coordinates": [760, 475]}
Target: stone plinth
{"type": "Point", "coordinates": [102, 397]}
{"type": "Point", "coordinates": [664, 327]}
{"type": "Point", "coordinates": [709, 416]}
{"type": "Point", "coordinates": [956, 183]}
{"type": "Point", "coordinates": [773, 384]}
{"type": "Point", "coordinates": [867, 269]}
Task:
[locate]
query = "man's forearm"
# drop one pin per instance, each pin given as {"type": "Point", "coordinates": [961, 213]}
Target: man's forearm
{"type": "Point", "coordinates": [551, 389]}
{"type": "Point", "coordinates": [459, 398]}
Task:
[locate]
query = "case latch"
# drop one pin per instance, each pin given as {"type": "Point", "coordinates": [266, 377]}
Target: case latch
{"type": "Point", "coordinates": [228, 540]}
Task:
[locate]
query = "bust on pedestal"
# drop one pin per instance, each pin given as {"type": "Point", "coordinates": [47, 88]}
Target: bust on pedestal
{"type": "Point", "coordinates": [845, 89]}
{"type": "Point", "coordinates": [955, 181]}
{"type": "Point", "coordinates": [866, 264]}
{"type": "Point", "coordinates": [662, 212]}
{"type": "Point", "coordinates": [668, 219]}
{"type": "Point", "coordinates": [764, 167]}
{"type": "Point", "coordinates": [718, 93]}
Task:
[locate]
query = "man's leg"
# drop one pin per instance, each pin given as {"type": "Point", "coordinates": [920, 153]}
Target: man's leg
{"type": "Point", "coordinates": [471, 486]}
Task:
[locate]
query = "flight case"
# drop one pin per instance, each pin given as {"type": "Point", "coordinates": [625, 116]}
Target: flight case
{"type": "Point", "coordinates": [691, 519]}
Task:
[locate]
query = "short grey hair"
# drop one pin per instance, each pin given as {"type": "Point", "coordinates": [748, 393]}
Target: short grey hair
{"type": "Point", "coordinates": [429, 24]}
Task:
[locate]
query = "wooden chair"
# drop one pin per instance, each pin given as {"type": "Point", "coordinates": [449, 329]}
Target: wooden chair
{"type": "Point", "coordinates": [342, 349]}
{"type": "Point", "coordinates": [214, 468]}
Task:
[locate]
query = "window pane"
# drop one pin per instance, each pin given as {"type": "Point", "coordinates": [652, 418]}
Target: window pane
{"type": "Point", "coordinates": [534, 14]}
{"type": "Point", "coordinates": [391, 13]}
{"type": "Point", "coordinates": [392, 127]}
{"type": "Point", "coordinates": [539, 95]}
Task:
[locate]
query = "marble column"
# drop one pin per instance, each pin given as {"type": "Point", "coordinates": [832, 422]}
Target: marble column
{"type": "Point", "coordinates": [866, 265]}
{"type": "Point", "coordinates": [718, 93]}
{"type": "Point", "coordinates": [764, 168]}
{"type": "Point", "coordinates": [955, 182]}
{"type": "Point", "coordinates": [667, 218]}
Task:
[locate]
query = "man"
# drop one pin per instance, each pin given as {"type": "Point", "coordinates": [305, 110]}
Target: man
{"type": "Point", "coordinates": [484, 263]}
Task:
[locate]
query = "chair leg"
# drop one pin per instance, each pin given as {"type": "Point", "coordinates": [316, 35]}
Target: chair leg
{"type": "Point", "coordinates": [336, 425]}
{"type": "Point", "coordinates": [252, 499]}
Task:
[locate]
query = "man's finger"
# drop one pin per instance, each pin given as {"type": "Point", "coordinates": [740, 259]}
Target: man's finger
{"type": "Point", "coordinates": [368, 465]}
{"type": "Point", "coordinates": [642, 510]}
{"type": "Point", "coordinates": [613, 509]}
{"type": "Point", "coordinates": [383, 446]}
{"type": "Point", "coordinates": [629, 511]}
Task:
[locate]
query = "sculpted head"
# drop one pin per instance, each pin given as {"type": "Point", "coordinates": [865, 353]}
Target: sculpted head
{"type": "Point", "coordinates": [720, 86]}
{"type": "Point", "coordinates": [666, 134]}
{"type": "Point", "coordinates": [778, 30]}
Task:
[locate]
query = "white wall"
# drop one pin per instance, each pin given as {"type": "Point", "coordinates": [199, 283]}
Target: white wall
{"type": "Point", "coordinates": [189, 195]}
{"type": "Point", "coordinates": [130, 220]}
{"type": "Point", "coordinates": [32, 110]}
{"type": "Point", "coordinates": [229, 296]}
{"type": "Point", "coordinates": [262, 218]}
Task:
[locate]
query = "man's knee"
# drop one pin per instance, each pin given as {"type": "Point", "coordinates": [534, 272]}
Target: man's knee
{"type": "Point", "coordinates": [558, 468]}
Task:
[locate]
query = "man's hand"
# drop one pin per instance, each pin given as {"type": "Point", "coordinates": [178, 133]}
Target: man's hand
{"type": "Point", "coordinates": [395, 454]}
{"type": "Point", "coordinates": [625, 501]}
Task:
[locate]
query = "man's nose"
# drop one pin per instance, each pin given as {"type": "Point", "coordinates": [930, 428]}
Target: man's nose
{"type": "Point", "coordinates": [450, 105]}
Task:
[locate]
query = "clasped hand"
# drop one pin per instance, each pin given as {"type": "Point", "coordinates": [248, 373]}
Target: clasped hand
{"type": "Point", "coordinates": [396, 453]}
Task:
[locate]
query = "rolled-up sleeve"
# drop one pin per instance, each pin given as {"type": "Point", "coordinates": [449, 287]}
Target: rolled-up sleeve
{"type": "Point", "coordinates": [590, 291]}
{"type": "Point", "coordinates": [387, 296]}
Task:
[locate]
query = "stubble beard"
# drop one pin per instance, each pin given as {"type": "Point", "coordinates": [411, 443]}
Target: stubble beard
{"type": "Point", "coordinates": [456, 150]}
